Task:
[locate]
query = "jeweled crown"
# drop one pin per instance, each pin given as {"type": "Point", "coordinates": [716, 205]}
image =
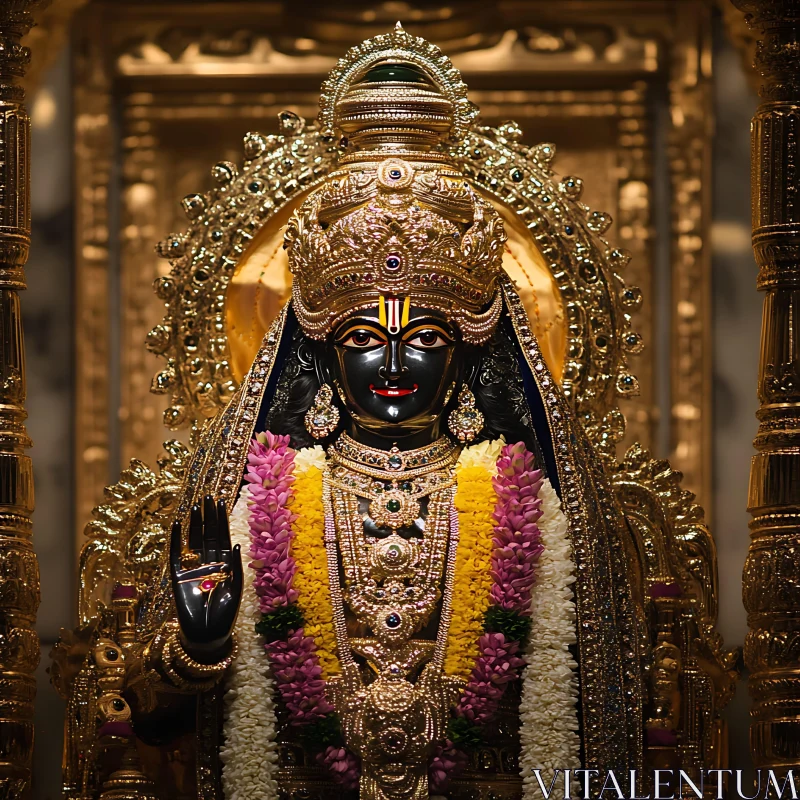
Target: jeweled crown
{"type": "Point", "coordinates": [397, 218]}
{"type": "Point", "coordinates": [424, 234]}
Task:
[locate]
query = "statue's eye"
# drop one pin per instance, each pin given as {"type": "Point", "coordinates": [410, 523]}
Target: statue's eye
{"type": "Point", "coordinates": [427, 340]}
{"type": "Point", "coordinates": [362, 339]}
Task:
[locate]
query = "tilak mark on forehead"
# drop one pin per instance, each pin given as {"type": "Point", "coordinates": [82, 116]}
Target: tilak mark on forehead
{"type": "Point", "coordinates": [389, 314]}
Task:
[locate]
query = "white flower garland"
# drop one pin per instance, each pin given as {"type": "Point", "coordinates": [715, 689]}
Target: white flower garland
{"type": "Point", "coordinates": [484, 454]}
{"type": "Point", "coordinates": [249, 755]}
{"type": "Point", "coordinates": [549, 707]}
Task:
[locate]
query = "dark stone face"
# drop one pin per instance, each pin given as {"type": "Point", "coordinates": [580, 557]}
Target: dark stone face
{"type": "Point", "coordinates": [396, 384]}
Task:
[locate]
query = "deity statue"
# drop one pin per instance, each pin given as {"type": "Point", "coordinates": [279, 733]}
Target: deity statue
{"type": "Point", "coordinates": [402, 560]}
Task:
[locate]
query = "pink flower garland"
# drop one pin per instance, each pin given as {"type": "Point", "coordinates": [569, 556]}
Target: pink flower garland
{"type": "Point", "coordinates": [447, 761]}
{"type": "Point", "coordinates": [342, 765]}
{"type": "Point", "coordinates": [270, 464]}
{"type": "Point", "coordinates": [295, 666]}
{"type": "Point", "coordinates": [516, 549]}
{"type": "Point", "coordinates": [517, 540]}
{"type": "Point", "coordinates": [495, 667]}
{"type": "Point", "coordinates": [297, 672]}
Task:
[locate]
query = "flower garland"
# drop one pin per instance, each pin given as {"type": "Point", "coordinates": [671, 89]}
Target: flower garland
{"type": "Point", "coordinates": [515, 549]}
{"type": "Point", "coordinates": [298, 636]}
{"type": "Point", "coordinates": [311, 578]}
{"type": "Point", "coordinates": [549, 706]}
{"type": "Point", "coordinates": [516, 546]}
{"type": "Point", "coordinates": [292, 652]}
{"type": "Point", "coordinates": [249, 755]}
{"type": "Point", "coordinates": [499, 605]}
{"type": "Point", "coordinates": [474, 500]}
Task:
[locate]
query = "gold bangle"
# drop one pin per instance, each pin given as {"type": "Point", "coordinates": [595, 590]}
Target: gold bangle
{"type": "Point", "coordinates": [198, 669]}
{"type": "Point", "coordinates": [185, 672]}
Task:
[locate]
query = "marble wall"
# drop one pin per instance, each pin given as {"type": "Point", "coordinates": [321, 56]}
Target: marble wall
{"type": "Point", "coordinates": [48, 316]}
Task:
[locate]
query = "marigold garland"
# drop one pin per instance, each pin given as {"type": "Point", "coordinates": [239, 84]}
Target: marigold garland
{"type": "Point", "coordinates": [311, 577]}
{"type": "Point", "coordinates": [472, 583]}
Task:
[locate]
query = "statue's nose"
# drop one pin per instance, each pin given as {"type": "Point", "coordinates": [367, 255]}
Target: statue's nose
{"type": "Point", "coordinates": [394, 367]}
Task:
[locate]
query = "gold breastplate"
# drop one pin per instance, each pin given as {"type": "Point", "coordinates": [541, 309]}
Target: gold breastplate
{"type": "Point", "coordinates": [389, 568]}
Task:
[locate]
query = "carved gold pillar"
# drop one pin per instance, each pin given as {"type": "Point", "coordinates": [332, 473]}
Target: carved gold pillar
{"type": "Point", "coordinates": [771, 588]}
{"type": "Point", "coordinates": [19, 573]}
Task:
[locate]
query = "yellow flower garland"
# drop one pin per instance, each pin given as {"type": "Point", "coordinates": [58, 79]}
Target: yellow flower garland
{"type": "Point", "coordinates": [311, 577]}
{"type": "Point", "coordinates": [475, 502]}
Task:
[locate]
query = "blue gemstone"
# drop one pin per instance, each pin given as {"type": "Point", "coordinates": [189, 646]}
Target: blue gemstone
{"type": "Point", "coordinates": [393, 621]}
{"type": "Point", "coordinates": [394, 174]}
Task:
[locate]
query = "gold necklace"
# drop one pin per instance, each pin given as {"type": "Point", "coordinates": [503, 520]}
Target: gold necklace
{"type": "Point", "coordinates": [392, 584]}
{"type": "Point", "coordinates": [388, 464]}
{"type": "Point", "coordinates": [393, 481]}
{"type": "Point", "coordinates": [390, 722]}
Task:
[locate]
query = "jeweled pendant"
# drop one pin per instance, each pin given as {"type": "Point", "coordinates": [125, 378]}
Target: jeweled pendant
{"type": "Point", "coordinates": [393, 557]}
{"type": "Point", "coordinates": [394, 508]}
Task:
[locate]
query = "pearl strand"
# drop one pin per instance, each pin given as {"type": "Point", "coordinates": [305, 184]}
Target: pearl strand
{"type": "Point", "coordinates": [447, 602]}
{"type": "Point", "coordinates": [337, 600]}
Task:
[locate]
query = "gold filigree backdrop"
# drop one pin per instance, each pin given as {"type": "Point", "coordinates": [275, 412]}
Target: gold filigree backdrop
{"type": "Point", "coordinates": [163, 92]}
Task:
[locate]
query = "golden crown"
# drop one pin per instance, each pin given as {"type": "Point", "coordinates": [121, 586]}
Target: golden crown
{"type": "Point", "coordinates": [397, 218]}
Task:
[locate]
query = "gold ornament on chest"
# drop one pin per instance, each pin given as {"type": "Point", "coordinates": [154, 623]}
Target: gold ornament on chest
{"type": "Point", "coordinates": [396, 707]}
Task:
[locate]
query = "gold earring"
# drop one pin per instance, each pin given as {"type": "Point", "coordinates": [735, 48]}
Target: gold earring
{"type": "Point", "coordinates": [465, 422]}
{"type": "Point", "coordinates": [323, 417]}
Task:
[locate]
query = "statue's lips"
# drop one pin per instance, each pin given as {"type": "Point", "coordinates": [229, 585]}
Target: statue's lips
{"type": "Point", "coordinates": [385, 391]}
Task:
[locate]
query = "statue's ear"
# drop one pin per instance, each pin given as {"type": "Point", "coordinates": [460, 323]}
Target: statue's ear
{"type": "Point", "coordinates": [306, 356]}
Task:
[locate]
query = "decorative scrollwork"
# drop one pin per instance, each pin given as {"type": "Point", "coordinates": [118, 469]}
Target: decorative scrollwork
{"type": "Point", "coordinates": [678, 565]}
{"type": "Point", "coordinates": [128, 534]}
{"type": "Point", "coordinates": [586, 267]}
{"type": "Point", "coordinates": [192, 337]}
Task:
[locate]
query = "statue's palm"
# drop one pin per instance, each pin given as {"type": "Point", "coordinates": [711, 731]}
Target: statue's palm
{"type": "Point", "coordinates": [207, 595]}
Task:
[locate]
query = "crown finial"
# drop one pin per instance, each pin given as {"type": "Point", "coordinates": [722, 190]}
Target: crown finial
{"type": "Point", "coordinates": [398, 26]}
{"type": "Point", "coordinates": [396, 82]}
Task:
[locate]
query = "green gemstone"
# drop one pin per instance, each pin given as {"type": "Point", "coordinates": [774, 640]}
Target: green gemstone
{"type": "Point", "coordinates": [406, 486]}
{"type": "Point", "coordinates": [392, 73]}
{"type": "Point", "coordinates": [393, 506]}
{"type": "Point", "coordinates": [395, 462]}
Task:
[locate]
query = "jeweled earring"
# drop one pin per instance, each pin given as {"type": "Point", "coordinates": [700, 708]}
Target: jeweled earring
{"type": "Point", "coordinates": [465, 422]}
{"type": "Point", "coordinates": [323, 417]}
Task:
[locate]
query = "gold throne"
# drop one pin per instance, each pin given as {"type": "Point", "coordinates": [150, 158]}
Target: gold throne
{"type": "Point", "coordinates": [228, 279]}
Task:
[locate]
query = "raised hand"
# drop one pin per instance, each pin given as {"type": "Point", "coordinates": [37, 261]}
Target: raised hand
{"type": "Point", "coordinates": [207, 595]}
